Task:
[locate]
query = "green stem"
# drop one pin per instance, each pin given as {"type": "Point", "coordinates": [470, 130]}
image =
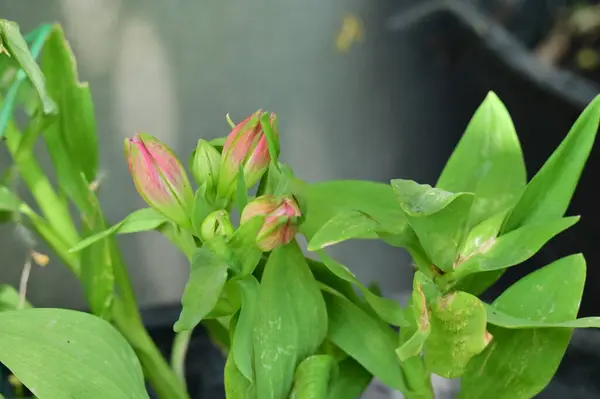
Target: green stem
{"type": "Point", "coordinates": [162, 378]}
{"type": "Point", "coordinates": [178, 353]}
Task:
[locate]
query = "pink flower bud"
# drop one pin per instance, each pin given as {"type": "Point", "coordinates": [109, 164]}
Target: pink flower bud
{"type": "Point", "coordinates": [160, 178]}
{"type": "Point", "coordinates": [281, 220]}
{"type": "Point", "coordinates": [245, 146]}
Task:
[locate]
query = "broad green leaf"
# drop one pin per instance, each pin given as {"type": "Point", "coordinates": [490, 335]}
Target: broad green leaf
{"type": "Point", "coordinates": [414, 345]}
{"type": "Point", "coordinates": [208, 273]}
{"type": "Point", "coordinates": [548, 194]}
{"type": "Point", "coordinates": [388, 309]}
{"type": "Point", "coordinates": [242, 341]}
{"type": "Point", "coordinates": [236, 385]}
{"type": "Point", "coordinates": [505, 320]}
{"type": "Point", "coordinates": [75, 124]}
{"type": "Point", "coordinates": [288, 327]}
{"type": "Point", "coordinates": [17, 48]}
{"type": "Point", "coordinates": [327, 199]}
{"type": "Point", "coordinates": [519, 363]}
{"type": "Point", "coordinates": [313, 376]}
{"type": "Point", "coordinates": [487, 161]}
{"type": "Point", "coordinates": [369, 341]}
{"type": "Point", "coordinates": [141, 220]}
{"type": "Point", "coordinates": [9, 298]}
{"type": "Point", "coordinates": [59, 353]}
{"type": "Point", "coordinates": [325, 276]}
{"type": "Point", "coordinates": [345, 225]}
{"type": "Point", "coordinates": [351, 381]}
{"type": "Point", "coordinates": [438, 218]}
{"type": "Point", "coordinates": [515, 247]}
{"type": "Point", "coordinates": [458, 332]}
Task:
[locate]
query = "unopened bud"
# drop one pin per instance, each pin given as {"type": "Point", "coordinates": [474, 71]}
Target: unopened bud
{"type": "Point", "coordinates": [205, 165]}
{"type": "Point", "coordinates": [281, 220]}
{"type": "Point", "coordinates": [160, 178]}
{"type": "Point", "coordinates": [216, 224]}
{"type": "Point", "coordinates": [245, 146]}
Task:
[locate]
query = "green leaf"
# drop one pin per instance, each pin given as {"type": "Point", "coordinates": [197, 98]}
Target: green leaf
{"type": "Point", "coordinates": [313, 376]}
{"type": "Point", "coordinates": [245, 253]}
{"type": "Point", "coordinates": [208, 273]}
{"type": "Point", "coordinates": [241, 194]}
{"type": "Point", "coordinates": [515, 247]}
{"type": "Point", "coordinates": [141, 220]}
{"type": "Point", "coordinates": [288, 327]}
{"type": "Point", "coordinates": [351, 382]}
{"type": "Point", "coordinates": [520, 363]}
{"type": "Point", "coordinates": [17, 47]}
{"type": "Point", "coordinates": [388, 309]}
{"type": "Point", "coordinates": [327, 199]}
{"type": "Point", "coordinates": [369, 341]}
{"type": "Point", "coordinates": [414, 345]}
{"type": "Point", "coordinates": [242, 341]}
{"type": "Point", "coordinates": [346, 225]}
{"type": "Point", "coordinates": [478, 239]}
{"type": "Point", "coordinates": [271, 135]}
{"type": "Point", "coordinates": [38, 39]}
{"type": "Point", "coordinates": [438, 218]}
{"type": "Point", "coordinates": [487, 161]}
{"type": "Point", "coordinates": [505, 320]}
{"type": "Point", "coordinates": [97, 276]}
{"type": "Point", "coordinates": [236, 385]}
{"type": "Point", "coordinates": [75, 125]}
{"type": "Point", "coordinates": [548, 194]}
{"type": "Point", "coordinates": [458, 332]}
{"type": "Point", "coordinates": [9, 298]}
{"type": "Point", "coordinates": [42, 347]}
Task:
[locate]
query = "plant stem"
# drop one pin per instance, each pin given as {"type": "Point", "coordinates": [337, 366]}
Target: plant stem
{"type": "Point", "coordinates": [162, 378]}
{"type": "Point", "coordinates": [178, 353]}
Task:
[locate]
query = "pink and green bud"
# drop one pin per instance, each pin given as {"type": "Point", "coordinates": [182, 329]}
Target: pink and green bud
{"type": "Point", "coordinates": [281, 220]}
{"type": "Point", "coordinates": [216, 224]}
{"type": "Point", "coordinates": [160, 178]}
{"type": "Point", "coordinates": [205, 165]}
{"type": "Point", "coordinates": [246, 147]}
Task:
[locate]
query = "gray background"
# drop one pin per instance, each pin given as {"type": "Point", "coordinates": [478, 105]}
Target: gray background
{"type": "Point", "coordinates": [174, 69]}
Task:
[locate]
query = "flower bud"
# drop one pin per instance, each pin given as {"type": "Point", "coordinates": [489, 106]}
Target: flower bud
{"type": "Point", "coordinates": [205, 165]}
{"type": "Point", "coordinates": [160, 178]}
{"type": "Point", "coordinates": [216, 224]}
{"type": "Point", "coordinates": [281, 220]}
{"type": "Point", "coordinates": [245, 146]}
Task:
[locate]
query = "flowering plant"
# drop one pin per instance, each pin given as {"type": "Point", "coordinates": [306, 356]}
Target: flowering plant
{"type": "Point", "coordinates": [292, 323]}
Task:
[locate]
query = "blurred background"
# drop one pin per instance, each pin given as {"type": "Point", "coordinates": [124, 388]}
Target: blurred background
{"type": "Point", "coordinates": [364, 89]}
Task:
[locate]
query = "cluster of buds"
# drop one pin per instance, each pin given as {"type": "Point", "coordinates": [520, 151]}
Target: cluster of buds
{"type": "Point", "coordinates": [281, 220]}
{"type": "Point", "coordinates": [163, 183]}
